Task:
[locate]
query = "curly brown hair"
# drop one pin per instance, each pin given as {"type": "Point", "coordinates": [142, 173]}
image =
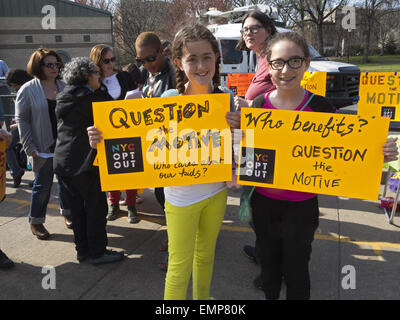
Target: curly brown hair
{"type": "Point", "coordinates": [190, 33]}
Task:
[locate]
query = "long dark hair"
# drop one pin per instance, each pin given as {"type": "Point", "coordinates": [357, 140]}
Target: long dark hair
{"type": "Point", "coordinates": [289, 36]}
{"type": "Point", "coordinates": [190, 33]}
{"type": "Point", "coordinates": [264, 20]}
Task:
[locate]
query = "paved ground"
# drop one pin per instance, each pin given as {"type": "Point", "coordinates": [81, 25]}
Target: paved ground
{"type": "Point", "coordinates": [352, 233]}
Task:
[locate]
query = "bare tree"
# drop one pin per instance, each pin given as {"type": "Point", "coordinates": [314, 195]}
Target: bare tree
{"type": "Point", "coordinates": [300, 12]}
{"type": "Point", "coordinates": [108, 5]}
{"type": "Point", "coordinates": [182, 11]}
{"type": "Point", "coordinates": [372, 13]}
{"type": "Point", "coordinates": [292, 12]}
{"type": "Point", "coordinates": [387, 27]}
{"type": "Point", "coordinates": [318, 12]}
{"type": "Point", "coordinates": [133, 17]}
{"type": "Point", "coordinates": [243, 3]}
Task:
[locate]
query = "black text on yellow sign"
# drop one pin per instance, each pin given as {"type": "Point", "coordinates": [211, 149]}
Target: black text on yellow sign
{"type": "Point", "coordinates": [313, 152]}
{"type": "Point", "coordinates": [160, 142]}
{"type": "Point", "coordinates": [380, 94]}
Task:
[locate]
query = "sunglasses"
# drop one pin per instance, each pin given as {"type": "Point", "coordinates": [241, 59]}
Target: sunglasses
{"type": "Point", "coordinates": [107, 61]}
{"type": "Point", "coordinates": [51, 65]}
{"type": "Point", "coordinates": [147, 59]}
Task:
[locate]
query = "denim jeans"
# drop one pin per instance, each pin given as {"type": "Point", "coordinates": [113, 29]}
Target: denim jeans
{"type": "Point", "coordinates": [41, 191]}
{"type": "Point", "coordinates": [11, 157]}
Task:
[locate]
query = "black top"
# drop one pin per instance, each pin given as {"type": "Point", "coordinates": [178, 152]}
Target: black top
{"type": "Point", "coordinates": [155, 86]}
{"type": "Point", "coordinates": [52, 113]}
{"type": "Point", "coordinates": [126, 82]}
{"type": "Point", "coordinates": [73, 154]}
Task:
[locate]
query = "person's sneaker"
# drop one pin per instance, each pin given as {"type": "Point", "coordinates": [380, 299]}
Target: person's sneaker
{"type": "Point", "coordinates": [5, 262]}
{"type": "Point", "coordinates": [113, 210]}
{"type": "Point", "coordinates": [17, 179]}
{"type": "Point", "coordinates": [132, 215]}
{"type": "Point", "coordinates": [68, 222]}
{"type": "Point", "coordinates": [250, 251]}
{"type": "Point", "coordinates": [257, 282]}
{"type": "Point", "coordinates": [108, 257]}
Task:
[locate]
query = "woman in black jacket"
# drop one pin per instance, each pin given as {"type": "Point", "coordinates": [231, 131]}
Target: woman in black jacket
{"type": "Point", "coordinates": [73, 160]}
{"type": "Point", "coordinates": [118, 84]}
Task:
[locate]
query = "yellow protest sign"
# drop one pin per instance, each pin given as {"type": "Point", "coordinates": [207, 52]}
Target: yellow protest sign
{"type": "Point", "coordinates": [238, 83]}
{"type": "Point", "coordinates": [335, 154]}
{"type": "Point", "coordinates": [380, 94]}
{"type": "Point", "coordinates": [2, 169]}
{"type": "Point", "coordinates": [162, 142]}
{"type": "Point", "coordinates": [315, 82]}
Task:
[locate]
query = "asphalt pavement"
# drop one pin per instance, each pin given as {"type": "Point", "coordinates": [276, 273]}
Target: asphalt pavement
{"type": "Point", "coordinates": [355, 254]}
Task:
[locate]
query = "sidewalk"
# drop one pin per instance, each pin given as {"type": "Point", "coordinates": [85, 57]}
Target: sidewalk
{"type": "Point", "coordinates": [351, 232]}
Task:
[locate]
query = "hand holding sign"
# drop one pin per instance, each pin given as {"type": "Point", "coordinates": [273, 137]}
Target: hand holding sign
{"type": "Point", "coordinates": [390, 150]}
{"type": "Point", "coordinates": [160, 142]}
{"type": "Point", "coordinates": [94, 136]}
{"type": "Point", "coordinates": [314, 152]}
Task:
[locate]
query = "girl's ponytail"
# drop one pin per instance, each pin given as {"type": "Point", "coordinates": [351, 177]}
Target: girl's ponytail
{"type": "Point", "coordinates": [180, 80]}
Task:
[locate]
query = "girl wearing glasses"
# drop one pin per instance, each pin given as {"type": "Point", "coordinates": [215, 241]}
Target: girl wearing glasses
{"type": "Point", "coordinates": [257, 29]}
{"type": "Point", "coordinates": [118, 84]}
{"type": "Point", "coordinates": [35, 116]}
{"type": "Point", "coordinates": [285, 221]}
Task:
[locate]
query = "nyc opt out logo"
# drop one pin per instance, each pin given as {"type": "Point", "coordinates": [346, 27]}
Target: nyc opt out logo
{"type": "Point", "coordinates": [124, 155]}
{"type": "Point", "coordinates": [259, 165]}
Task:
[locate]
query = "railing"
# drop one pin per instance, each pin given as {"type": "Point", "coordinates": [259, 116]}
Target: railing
{"type": "Point", "coordinates": [7, 102]}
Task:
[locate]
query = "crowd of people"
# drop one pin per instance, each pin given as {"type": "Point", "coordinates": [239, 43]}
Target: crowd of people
{"type": "Point", "coordinates": [54, 118]}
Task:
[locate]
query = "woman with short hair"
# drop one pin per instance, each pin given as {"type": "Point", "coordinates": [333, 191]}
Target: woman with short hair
{"type": "Point", "coordinates": [73, 160]}
{"type": "Point", "coordinates": [37, 125]}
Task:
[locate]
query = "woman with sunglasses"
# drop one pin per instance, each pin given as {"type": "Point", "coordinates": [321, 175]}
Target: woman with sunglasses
{"type": "Point", "coordinates": [118, 84]}
{"type": "Point", "coordinates": [36, 119]}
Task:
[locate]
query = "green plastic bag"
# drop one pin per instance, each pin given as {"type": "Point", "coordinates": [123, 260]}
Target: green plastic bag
{"type": "Point", "coordinates": [245, 205]}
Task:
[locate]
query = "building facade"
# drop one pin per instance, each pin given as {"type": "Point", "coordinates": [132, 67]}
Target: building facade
{"type": "Point", "coordinates": [71, 29]}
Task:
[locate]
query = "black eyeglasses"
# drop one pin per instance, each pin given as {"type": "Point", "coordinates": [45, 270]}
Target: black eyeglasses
{"type": "Point", "coordinates": [107, 61]}
{"type": "Point", "coordinates": [294, 63]}
{"type": "Point", "coordinates": [147, 59]}
{"type": "Point", "coordinates": [252, 29]}
{"type": "Point", "coordinates": [51, 65]}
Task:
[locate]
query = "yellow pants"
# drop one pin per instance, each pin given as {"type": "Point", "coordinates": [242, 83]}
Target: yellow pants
{"type": "Point", "coordinates": [192, 236]}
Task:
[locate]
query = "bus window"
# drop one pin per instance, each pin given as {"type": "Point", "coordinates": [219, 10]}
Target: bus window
{"type": "Point", "coordinates": [229, 54]}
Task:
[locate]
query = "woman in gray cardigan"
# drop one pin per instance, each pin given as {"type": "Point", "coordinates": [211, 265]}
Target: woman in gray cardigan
{"type": "Point", "coordinates": [37, 125]}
